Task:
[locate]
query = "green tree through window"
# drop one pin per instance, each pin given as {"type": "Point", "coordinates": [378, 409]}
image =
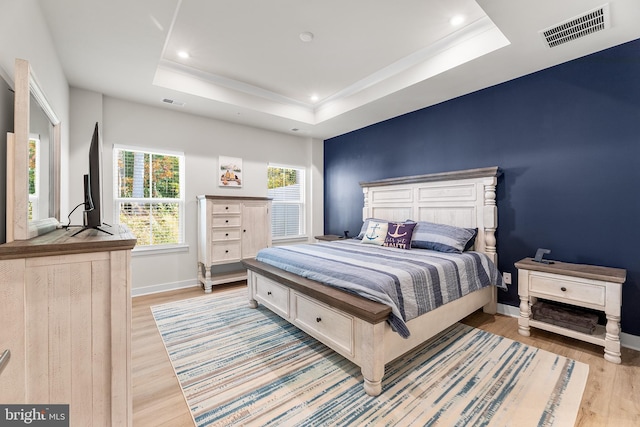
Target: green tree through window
{"type": "Point", "coordinates": [281, 177]}
{"type": "Point", "coordinates": [149, 196]}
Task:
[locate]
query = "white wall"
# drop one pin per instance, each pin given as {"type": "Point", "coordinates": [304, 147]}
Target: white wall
{"type": "Point", "coordinates": [24, 34]}
{"type": "Point", "coordinates": [202, 140]}
{"type": "Point", "coordinates": [85, 111]}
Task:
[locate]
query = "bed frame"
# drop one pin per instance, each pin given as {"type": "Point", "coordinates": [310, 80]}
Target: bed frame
{"type": "Point", "coordinates": [356, 327]}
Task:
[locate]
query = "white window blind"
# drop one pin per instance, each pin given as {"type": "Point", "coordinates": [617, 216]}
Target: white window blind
{"type": "Point", "coordinates": [286, 188]}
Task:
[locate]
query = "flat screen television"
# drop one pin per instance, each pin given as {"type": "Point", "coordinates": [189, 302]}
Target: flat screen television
{"type": "Point", "coordinates": [92, 217]}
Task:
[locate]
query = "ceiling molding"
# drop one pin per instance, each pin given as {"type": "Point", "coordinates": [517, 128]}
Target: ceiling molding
{"type": "Point", "coordinates": [462, 35]}
{"type": "Point", "coordinates": [454, 47]}
{"type": "Point", "coordinates": [233, 84]}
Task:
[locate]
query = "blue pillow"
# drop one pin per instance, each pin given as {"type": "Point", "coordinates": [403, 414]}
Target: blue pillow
{"type": "Point", "coordinates": [442, 237]}
{"type": "Point", "coordinates": [471, 241]}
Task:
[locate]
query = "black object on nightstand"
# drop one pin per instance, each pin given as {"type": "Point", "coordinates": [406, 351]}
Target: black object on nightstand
{"type": "Point", "coordinates": [540, 253]}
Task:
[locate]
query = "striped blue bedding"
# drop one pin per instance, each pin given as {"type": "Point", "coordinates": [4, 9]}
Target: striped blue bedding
{"type": "Point", "coordinates": [412, 282]}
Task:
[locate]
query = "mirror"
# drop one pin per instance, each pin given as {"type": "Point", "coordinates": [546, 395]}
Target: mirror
{"type": "Point", "coordinates": [33, 160]}
{"type": "Point", "coordinates": [40, 142]}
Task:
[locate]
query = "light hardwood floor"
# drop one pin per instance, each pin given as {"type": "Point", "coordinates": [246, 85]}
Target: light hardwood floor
{"type": "Point", "coordinates": [611, 398]}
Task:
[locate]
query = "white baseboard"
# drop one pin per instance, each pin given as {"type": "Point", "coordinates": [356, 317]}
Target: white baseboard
{"type": "Point", "coordinates": [630, 341]}
{"type": "Point", "coordinates": [508, 310]}
{"type": "Point", "coordinates": [626, 340]}
{"type": "Point", "coordinates": [164, 287]}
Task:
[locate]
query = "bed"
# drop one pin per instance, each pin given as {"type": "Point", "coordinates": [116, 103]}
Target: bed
{"type": "Point", "coordinates": [366, 331]}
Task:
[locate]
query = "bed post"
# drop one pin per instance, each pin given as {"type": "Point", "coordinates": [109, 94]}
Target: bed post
{"type": "Point", "coordinates": [365, 207]}
{"type": "Point", "coordinates": [251, 289]}
{"type": "Point", "coordinates": [490, 216]}
{"type": "Point", "coordinates": [373, 352]}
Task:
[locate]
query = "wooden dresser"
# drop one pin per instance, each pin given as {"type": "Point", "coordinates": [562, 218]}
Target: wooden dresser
{"type": "Point", "coordinates": [230, 229]}
{"type": "Point", "coordinates": [66, 318]}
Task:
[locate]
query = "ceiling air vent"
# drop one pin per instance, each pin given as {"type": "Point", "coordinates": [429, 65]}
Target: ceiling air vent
{"type": "Point", "coordinates": [574, 28]}
{"type": "Point", "coordinates": [173, 102]}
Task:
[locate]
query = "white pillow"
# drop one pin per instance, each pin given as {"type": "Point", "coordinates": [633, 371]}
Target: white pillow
{"type": "Point", "coordinates": [376, 233]}
{"type": "Point", "coordinates": [365, 225]}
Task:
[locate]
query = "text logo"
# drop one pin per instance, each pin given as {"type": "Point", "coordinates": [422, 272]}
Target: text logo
{"type": "Point", "coordinates": [34, 415]}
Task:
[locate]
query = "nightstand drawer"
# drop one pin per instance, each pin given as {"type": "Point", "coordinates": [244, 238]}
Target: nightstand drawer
{"type": "Point", "coordinates": [564, 289]}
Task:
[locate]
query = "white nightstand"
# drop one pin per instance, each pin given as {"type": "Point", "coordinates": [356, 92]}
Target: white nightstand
{"type": "Point", "coordinates": [598, 288]}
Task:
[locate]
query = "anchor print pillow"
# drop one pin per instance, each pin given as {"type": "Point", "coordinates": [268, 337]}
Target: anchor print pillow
{"type": "Point", "coordinates": [365, 225]}
{"type": "Point", "coordinates": [376, 233]}
{"type": "Point", "coordinates": [399, 235]}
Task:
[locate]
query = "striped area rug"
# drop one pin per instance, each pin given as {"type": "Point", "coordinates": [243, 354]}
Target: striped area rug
{"type": "Point", "coordinates": [248, 367]}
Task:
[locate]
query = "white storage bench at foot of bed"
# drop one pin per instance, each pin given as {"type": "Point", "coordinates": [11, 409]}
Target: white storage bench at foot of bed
{"type": "Point", "coordinates": [353, 326]}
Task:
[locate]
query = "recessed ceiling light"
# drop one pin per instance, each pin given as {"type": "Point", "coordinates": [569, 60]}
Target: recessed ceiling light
{"type": "Point", "coordinates": [314, 98]}
{"type": "Point", "coordinates": [456, 20]}
{"type": "Point", "coordinates": [183, 54]}
{"type": "Point", "coordinates": [306, 36]}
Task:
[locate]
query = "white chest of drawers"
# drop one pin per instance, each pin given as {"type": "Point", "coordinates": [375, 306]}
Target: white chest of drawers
{"type": "Point", "coordinates": [230, 229]}
{"type": "Point", "coordinates": [588, 286]}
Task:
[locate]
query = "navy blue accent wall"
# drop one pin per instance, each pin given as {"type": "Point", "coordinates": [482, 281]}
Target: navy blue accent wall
{"type": "Point", "coordinates": [568, 141]}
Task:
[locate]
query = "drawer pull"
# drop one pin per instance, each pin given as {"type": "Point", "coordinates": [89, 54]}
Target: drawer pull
{"type": "Point", "coordinates": [318, 319]}
{"type": "Point", "coordinates": [227, 221]}
{"type": "Point", "coordinates": [227, 234]}
{"type": "Point", "coordinates": [268, 292]}
{"type": "Point", "coordinates": [227, 251]}
{"type": "Point", "coordinates": [226, 207]}
{"type": "Point", "coordinates": [563, 289]}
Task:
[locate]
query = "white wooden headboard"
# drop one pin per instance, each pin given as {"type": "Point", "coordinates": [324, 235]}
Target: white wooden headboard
{"type": "Point", "coordinates": [464, 198]}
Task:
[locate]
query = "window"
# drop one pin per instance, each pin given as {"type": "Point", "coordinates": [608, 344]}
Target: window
{"type": "Point", "coordinates": [286, 188]}
{"type": "Point", "coordinates": [149, 195]}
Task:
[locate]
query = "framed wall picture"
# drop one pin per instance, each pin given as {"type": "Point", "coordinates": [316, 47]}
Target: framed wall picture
{"type": "Point", "coordinates": [230, 171]}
